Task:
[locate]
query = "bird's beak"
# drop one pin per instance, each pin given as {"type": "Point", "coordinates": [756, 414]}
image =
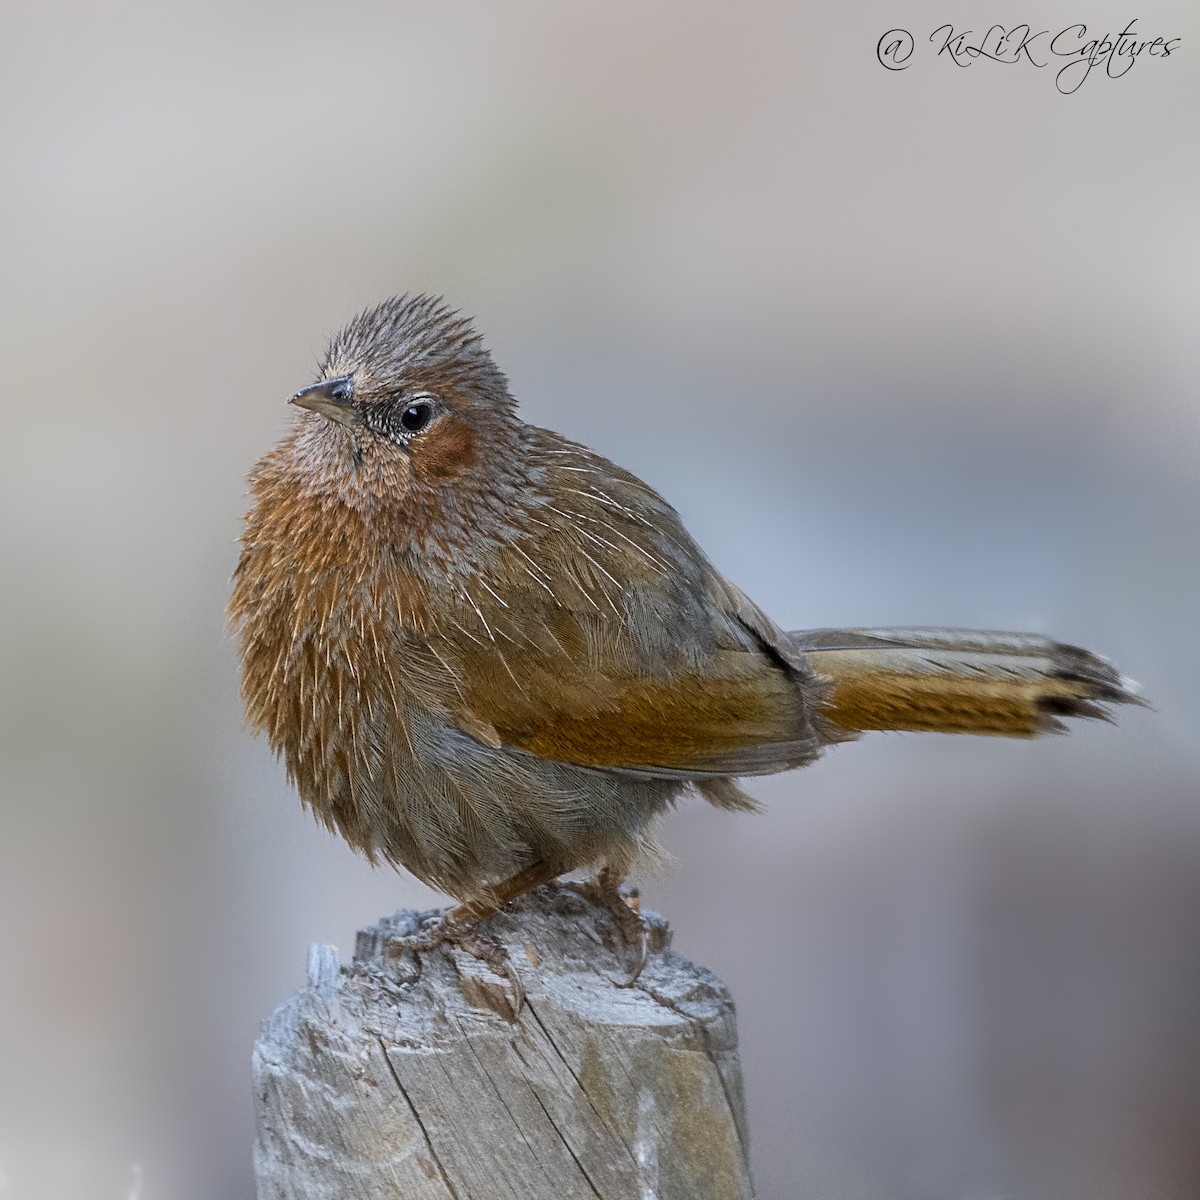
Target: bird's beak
{"type": "Point", "coordinates": [332, 398]}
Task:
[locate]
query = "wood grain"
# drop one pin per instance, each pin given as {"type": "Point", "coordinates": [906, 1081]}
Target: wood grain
{"type": "Point", "coordinates": [413, 1075]}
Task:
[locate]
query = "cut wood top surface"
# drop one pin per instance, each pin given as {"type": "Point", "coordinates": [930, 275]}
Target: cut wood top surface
{"type": "Point", "coordinates": [413, 1075]}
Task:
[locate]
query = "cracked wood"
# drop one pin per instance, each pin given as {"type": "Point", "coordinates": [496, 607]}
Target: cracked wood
{"type": "Point", "coordinates": [411, 1076]}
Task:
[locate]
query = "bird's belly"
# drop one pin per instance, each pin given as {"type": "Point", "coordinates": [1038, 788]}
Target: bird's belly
{"type": "Point", "coordinates": [363, 723]}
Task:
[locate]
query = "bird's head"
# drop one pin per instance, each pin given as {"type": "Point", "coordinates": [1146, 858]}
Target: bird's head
{"type": "Point", "coordinates": [408, 399]}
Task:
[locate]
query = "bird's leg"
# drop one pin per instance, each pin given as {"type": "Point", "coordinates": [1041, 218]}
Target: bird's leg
{"type": "Point", "coordinates": [459, 927]}
{"type": "Point", "coordinates": [474, 911]}
{"type": "Point", "coordinates": [604, 890]}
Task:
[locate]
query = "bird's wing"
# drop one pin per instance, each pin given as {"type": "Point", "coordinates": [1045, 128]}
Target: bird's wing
{"type": "Point", "coordinates": [607, 640]}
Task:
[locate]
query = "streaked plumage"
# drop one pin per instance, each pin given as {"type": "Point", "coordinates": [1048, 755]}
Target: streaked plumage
{"type": "Point", "coordinates": [480, 647]}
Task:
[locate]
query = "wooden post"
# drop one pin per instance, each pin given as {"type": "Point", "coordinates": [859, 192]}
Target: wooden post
{"type": "Point", "coordinates": [412, 1076]}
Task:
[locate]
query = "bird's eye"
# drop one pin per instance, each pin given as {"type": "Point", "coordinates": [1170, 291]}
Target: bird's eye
{"type": "Point", "coordinates": [416, 416]}
{"type": "Point", "coordinates": [341, 392]}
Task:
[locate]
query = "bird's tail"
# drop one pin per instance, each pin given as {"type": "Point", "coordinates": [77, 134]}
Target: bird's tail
{"type": "Point", "coordinates": [960, 680]}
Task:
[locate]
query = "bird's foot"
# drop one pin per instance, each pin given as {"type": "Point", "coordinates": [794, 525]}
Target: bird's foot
{"type": "Point", "coordinates": [459, 927]}
{"type": "Point", "coordinates": [624, 906]}
{"type": "Point", "coordinates": [460, 930]}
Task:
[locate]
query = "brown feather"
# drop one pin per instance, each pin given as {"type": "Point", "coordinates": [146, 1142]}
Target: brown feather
{"type": "Point", "coordinates": [960, 680]}
{"type": "Point", "coordinates": [488, 654]}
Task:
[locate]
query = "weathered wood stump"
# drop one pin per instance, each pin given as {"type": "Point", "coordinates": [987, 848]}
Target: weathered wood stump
{"type": "Point", "coordinates": [413, 1075]}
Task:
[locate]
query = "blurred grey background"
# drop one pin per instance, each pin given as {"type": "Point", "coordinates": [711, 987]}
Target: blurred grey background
{"type": "Point", "coordinates": [912, 347]}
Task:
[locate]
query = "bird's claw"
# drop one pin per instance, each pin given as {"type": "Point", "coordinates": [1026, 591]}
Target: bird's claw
{"type": "Point", "coordinates": [624, 907]}
{"type": "Point", "coordinates": [641, 946]}
{"type": "Point", "coordinates": [442, 930]}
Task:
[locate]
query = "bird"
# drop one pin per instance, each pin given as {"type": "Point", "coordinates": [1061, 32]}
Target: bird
{"type": "Point", "coordinates": [490, 656]}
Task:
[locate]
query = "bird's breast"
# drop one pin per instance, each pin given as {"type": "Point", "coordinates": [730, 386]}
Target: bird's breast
{"type": "Point", "coordinates": [330, 618]}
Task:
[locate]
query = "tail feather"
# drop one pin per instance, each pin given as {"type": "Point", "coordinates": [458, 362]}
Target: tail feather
{"type": "Point", "coordinates": [960, 680]}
